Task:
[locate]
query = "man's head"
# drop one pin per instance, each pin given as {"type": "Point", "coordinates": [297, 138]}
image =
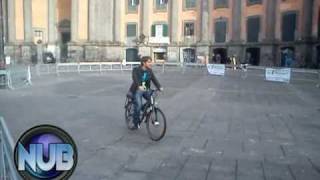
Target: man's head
{"type": "Point", "coordinates": [146, 62]}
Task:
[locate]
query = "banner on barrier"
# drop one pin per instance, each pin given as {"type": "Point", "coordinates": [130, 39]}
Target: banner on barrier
{"type": "Point", "coordinates": [216, 69]}
{"type": "Point", "coordinates": [279, 75]}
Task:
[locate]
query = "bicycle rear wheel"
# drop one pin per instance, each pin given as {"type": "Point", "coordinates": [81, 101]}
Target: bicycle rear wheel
{"type": "Point", "coordinates": [156, 131]}
{"type": "Point", "coordinates": [129, 114]}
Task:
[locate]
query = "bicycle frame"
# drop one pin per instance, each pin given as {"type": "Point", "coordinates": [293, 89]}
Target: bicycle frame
{"type": "Point", "coordinates": [146, 106]}
{"type": "Point", "coordinates": [149, 106]}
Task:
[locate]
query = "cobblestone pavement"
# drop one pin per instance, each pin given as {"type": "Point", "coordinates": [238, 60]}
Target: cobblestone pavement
{"type": "Point", "coordinates": [218, 127]}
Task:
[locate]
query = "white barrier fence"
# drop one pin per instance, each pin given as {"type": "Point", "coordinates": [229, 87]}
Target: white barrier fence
{"type": "Point", "coordinates": [7, 166]}
{"type": "Point", "coordinates": [42, 69]}
{"type": "Point", "coordinates": [271, 74]}
{"type": "Point", "coordinates": [15, 76]}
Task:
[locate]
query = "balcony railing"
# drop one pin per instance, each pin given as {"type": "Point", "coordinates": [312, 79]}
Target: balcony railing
{"type": "Point", "coordinates": [159, 40]}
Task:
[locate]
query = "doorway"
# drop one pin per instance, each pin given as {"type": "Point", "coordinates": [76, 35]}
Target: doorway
{"type": "Point", "coordinates": [219, 56]}
{"type": "Point", "coordinates": [132, 55]}
{"type": "Point", "coordinates": [253, 56]}
{"type": "Point", "coordinates": [287, 56]}
{"type": "Point", "coordinates": [189, 55]}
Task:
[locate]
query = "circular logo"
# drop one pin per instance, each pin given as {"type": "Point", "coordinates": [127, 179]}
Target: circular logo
{"type": "Point", "coordinates": [45, 152]}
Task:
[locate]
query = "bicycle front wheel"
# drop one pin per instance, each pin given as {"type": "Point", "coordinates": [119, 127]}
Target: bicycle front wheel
{"type": "Point", "coordinates": [156, 124]}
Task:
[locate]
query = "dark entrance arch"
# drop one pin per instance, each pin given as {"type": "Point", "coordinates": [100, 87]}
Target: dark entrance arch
{"type": "Point", "coordinates": [65, 37]}
{"type": "Point", "coordinates": [132, 55]}
{"type": "Point", "coordinates": [287, 56]}
{"type": "Point", "coordinates": [253, 56]}
{"type": "Point", "coordinates": [219, 55]}
{"type": "Point", "coordinates": [189, 55]}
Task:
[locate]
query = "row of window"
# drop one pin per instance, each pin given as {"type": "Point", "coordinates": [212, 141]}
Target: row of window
{"type": "Point", "coordinates": [220, 29]}
{"type": "Point", "coordinates": [132, 5]}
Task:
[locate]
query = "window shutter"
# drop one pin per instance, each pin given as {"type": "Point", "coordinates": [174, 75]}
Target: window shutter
{"type": "Point", "coordinates": [220, 31]}
{"type": "Point", "coordinates": [165, 30]}
{"type": "Point", "coordinates": [253, 29]}
{"type": "Point", "coordinates": [153, 30]}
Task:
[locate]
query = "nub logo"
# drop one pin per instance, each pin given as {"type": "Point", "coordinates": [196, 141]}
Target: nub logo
{"type": "Point", "coordinates": [45, 152]}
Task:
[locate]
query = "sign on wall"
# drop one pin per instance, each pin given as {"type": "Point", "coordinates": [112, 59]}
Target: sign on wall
{"type": "Point", "coordinates": [216, 69]}
{"type": "Point", "coordinates": [278, 75]}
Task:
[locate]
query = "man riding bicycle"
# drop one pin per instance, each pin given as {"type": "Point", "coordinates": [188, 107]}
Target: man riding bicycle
{"type": "Point", "coordinates": [142, 76]}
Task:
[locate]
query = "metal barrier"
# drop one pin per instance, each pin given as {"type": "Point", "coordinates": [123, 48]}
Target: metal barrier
{"type": "Point", "coordinates": [7, 166]}
{"type": "Point", "coordinates": [16, 76]}
{"type": "Point", "coordinates": [127, 66]}
{"type": "Point", "coordinates": [3, 78]}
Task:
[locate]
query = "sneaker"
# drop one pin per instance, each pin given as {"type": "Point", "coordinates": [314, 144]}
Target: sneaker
{"type": "Point", "coordinates": [137, 126]}
{"type": "Point", "coordinates": [156, 123]}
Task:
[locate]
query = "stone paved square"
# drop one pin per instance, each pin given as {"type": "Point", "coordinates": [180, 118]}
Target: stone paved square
{"type": "Point", "coordinates": [218, 127]}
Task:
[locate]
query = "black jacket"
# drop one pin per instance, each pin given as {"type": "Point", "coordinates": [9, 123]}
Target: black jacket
{"type": "Point", "coordinates": [137, 74]}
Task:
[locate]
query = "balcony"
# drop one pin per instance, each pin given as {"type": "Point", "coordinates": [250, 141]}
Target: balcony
{"type": "Point", "coordinates": [159, 40]}
{"type": "Point", "coordinates": [189, 39]}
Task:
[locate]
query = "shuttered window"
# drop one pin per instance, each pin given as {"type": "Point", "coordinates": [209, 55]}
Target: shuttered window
{"type": "Point", "coordinates": [253, 2]}
{"type": "Point", "coordinates": [253, 29]}
{"type": "Point", "coordinates": [157, 28]}
{"type": "Point", "coordinates": [220, 4]}
{"type": "Point", "coordinates": [189, 29]}
{"type": "Point", "coordinates": [131, 30]}
{"type": "Point", "coordinates": [289, 27]}
{"type": "Point", "coordinates": [190, 4]}
{"type": "Point", "coordinates": [161, 4]}
{"type": "Point", "coordinates": [132, 5]}
{"type": "Point", "coordinates": [220, 31]}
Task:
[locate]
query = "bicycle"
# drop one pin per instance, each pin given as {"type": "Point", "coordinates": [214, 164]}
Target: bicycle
{"type": "Point", "coordinates": [244, 70]}
{"type": "Point", "coordinates": [151, 113]}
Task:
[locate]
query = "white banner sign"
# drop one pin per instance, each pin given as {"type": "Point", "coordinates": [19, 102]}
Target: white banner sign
{"type": "Point", "coordinates": [279, 75]}
{"type": "Point", "coordinates": [216, 69]}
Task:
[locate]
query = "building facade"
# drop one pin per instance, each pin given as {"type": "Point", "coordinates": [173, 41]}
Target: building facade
{"type": "Point", "coordinates": [260, 32]}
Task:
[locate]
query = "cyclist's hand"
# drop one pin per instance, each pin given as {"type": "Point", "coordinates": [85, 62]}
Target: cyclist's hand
{"type": "Point", "coordinates": [161, 89]}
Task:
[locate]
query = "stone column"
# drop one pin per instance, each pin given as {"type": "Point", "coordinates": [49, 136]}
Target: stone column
{"type": "Point", "coordinates": [174, 21]}
{"type": "Point", "coordinates": [145, 24]}
{"type": "Point", "coordinates": [101, 20]}
{"type": "Point", "coordinates": [117, 19]}
{"type": "Point", "coordinates": [307, 19]}
{"type": "Point", "coordinates": [270, 20]}
{"type": "Point", "coordinates": [11, 21]}
{"type": "Point", "coordinates": [306, 34]}
{"type": "Point", "coordinates": [27, 13]}
{"type": "Point", "coordinates": [52, 29]}
{"type": "Point", "coordinates": [236, 20]}
{"type": "Point", "coordinates": [74, 20]}
{"type": "Point", "coordinates": [204, 37]}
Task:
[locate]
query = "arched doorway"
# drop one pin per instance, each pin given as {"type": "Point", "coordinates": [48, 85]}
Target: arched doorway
{"type": "Point", "coordinates": [189, 55]}
{"type": "Point", "coordinates": [219, 55]}
{"type": "Point", "coordinates": [253, 56]}
{"type": "Point", "coordinates": [132, 55]}
{"type": "Point", "coordinates": [287, 56]}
